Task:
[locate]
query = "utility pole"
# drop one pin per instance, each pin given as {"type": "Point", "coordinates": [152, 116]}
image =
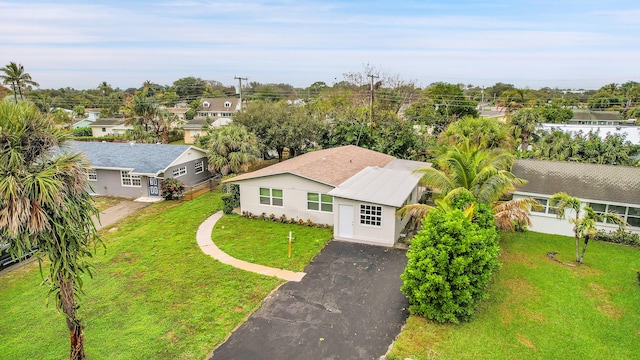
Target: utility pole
{"type": "Point", "coordinates": [371, 103]}
{"type": "Point", "coordinates": [240, 78]}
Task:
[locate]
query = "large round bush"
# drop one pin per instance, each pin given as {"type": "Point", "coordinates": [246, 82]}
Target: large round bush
{"type": "Point", "coordinates": [450, 264]}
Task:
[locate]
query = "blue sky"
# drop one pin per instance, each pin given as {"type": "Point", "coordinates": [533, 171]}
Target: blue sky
{"type": "Point", "coordinates": [562, 43]}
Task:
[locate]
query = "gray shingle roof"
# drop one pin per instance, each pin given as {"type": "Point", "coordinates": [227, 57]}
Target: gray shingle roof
{"type": "Point", "coordinates": [197, 123]}
{"type": "Point", "coordinates": [586, 181]}
{"type": "Point", "coordinates": [217, 104]}
{"type": "Point", "coordinates": [108, 121]}
{"type": "Point", "coordinates": [596, 115]}
{"type": "Point", "coordinates": [139, 158]}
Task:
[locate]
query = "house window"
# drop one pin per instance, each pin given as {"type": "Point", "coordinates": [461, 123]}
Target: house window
{"type": "Point", "coordinates": [271, 197]}
{"type": "Point", "coordinates": [104, 129]}
{"type": "Point", "coordinates": [129, 180]}
{"type": "Point", "coordinates": [179, 171]}
{"type": "Point", "coordinates": [227, 104]}
{"type": "Point", "coordinates": [92, 175]}
{"type": "Point", "coordinates": [633, 217]}
{"type": "Point", "coordinates": [205, 104]}
{"type": "Point", "coordinates": [199, 167]}
{"type": "Point", "coordinates": [371, 215]}
{"type": "Point", "coordinates": [630, 214]}
{"type": "Point", "coordinates": [319, 202]}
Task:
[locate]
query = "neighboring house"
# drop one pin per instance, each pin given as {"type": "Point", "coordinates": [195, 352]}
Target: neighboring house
{"type": "Point", "coordinates": [82, 123]}
{"type": "Point", "coordinates": [631, 133]}
{"type": "Point", "coordinates": [92, 113]}
{"type": "Point", "coordinates": [604, 188]}
{"type": "Point", "coordinates": [109, 127]}
{"type": "Point", "coordinates": [180, 113]}
{"type": "Point", "coordinates": [212, 113]}
{"type": "Point", "coordinates": [199, 127]}
{"type": "Point", "coordinates": [592, 117]}
{"type": "Point", "coordinates": [356, 190]}
{"type": "Point", "coordinates": [135, 170]}
{"type": "Point", "coordinates": [218, 107]}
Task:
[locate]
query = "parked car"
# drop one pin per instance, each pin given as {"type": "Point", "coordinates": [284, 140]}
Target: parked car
{"type": "Point", "coordinates": [6, 259]}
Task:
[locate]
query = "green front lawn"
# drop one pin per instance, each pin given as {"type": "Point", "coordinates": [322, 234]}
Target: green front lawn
{"type": "Point", "coordinates": [267, 242]}
{"type": "Point", "coordinates": [540, 309]}
{"type": "Point", "coordinates": [155, 294]}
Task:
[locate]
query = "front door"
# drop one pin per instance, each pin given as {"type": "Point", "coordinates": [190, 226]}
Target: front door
{"type": "Point", "coordinates": [345, 221]}
{"type": "Point", "coordinates": [153, 187]}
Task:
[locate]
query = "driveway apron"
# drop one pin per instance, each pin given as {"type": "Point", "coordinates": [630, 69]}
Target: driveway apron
{"type": "Point", "coordinates": [348, 306]}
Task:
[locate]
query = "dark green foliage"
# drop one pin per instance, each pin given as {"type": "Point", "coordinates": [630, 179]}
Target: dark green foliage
{"type": "Point", "coordinates": [227, 203]}
{"type": "Point", "coordinates": [231, 198]}
{"type": "Point", "coordinates": [613, 149]}
{"type": "Point", "coordinates": [619, 236]}
{"type": "Point", "coordinates": [555, 114]}
{"type": "Point", "coordinates": [450, 265]}
{"type": "Point", "coordinates": [234, 190]}
{"type": "Point", "coordinates": [171, 189]}
{"type": "Point", "coordinates": [83, 131]}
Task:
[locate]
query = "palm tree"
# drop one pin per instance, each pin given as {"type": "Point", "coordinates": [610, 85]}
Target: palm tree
{"type": "Point", "coordinates": [483, 172]}
{"type": "Point", "coordinates": [523, 124]}
{"type": "Point", "coordinates": [584, 227]}
{"type": "Point", "coordinates": [231, 149]}
{"type": "Point", "coordinates": [14, 74]}
{"type": "Point", "coordinates": [45, 204]}
{"type": "Point", "coordinates": [141, 110]}
{"type": "Point", "coordinates": [483, 132]}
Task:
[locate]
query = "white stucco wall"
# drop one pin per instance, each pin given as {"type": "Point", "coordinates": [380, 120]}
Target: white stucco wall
{"type": "Point", "coordinates": [294, 194]}
{"type": "Point", "coordinates": [551, 224]}
{"type": "Point", "coordinates": [384, 235]}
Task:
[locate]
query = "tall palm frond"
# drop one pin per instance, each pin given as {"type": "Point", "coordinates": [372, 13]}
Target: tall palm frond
{"type": "Point", "coordinates": [508, 213]}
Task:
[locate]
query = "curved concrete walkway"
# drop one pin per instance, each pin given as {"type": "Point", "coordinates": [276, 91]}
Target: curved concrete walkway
{"type": "Point", "coordinates": [203, 237]}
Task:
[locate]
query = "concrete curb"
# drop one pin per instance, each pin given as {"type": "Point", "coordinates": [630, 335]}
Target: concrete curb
{"type": "Point", "coordinates": [203, 237]}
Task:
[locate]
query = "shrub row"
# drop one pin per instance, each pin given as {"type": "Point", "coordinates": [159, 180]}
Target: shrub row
{"type": "Point", "coordinates": [619, 236]}
{"type": "Point", "coordinates": [284, 220]}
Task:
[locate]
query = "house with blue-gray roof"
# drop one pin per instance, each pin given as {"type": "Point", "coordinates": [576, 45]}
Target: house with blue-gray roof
{"type": "Point", "coordinates": [135, 170]}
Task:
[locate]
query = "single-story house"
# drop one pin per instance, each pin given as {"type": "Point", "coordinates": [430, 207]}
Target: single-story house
{"type": "Point", "coordinates": [595, 117]}
{"type": "Point", "coordinates": [604, 188]}
{"type": "Point", "coordinates": [199, 126]}
{"type": "Point", "coordinates": [82, 123]}
{"type": "Point", "coordinates": [109, 127]}
{"type": "Point", "coordinates": [356, 190]}
{"type": "Point", "coordinates": [135, 170]}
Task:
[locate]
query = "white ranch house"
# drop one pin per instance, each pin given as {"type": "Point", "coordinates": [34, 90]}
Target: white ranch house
{"type": "Point", "coordinates": [604, 188]}
{"type": "Point", "coordinates": [356, 190]}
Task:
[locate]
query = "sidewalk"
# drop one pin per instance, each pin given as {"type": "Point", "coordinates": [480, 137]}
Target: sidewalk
{"type": "Point", "coordinates": [203, 237]}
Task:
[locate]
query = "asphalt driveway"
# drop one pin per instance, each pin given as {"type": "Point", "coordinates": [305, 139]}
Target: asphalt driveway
{"type": "Point", "coordinates": [348, 306]}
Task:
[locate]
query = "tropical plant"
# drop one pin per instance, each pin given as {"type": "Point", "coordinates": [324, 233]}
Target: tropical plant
{"type": "Point", "coordinates": [45, 204]}
{"type": "Point", "coordinates": [481, 132]}
{"type": "Point", "coordinates": [231, 149]}
{"type": "Point", "coordinates": [171, 189]}
{"type": "Point", "coordinates": [451, 261]}
{"type": "Point", "coordinates": [483, 172]}
{"type": "Point", "coordinates": [15, 76]}
{"type": "Point", "coordinates": [523, 124]}
{"type": "Point", "coordinates": [584, 220]}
